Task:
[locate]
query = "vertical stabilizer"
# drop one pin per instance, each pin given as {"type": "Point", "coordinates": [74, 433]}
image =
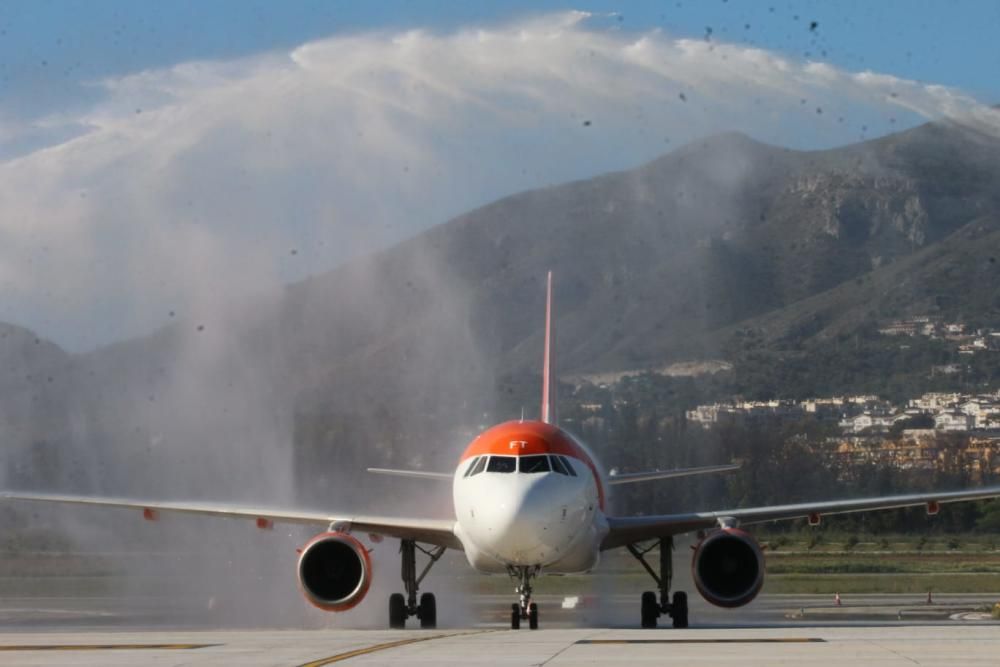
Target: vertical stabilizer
{"type": "Point", "coordinates": [548, 386]}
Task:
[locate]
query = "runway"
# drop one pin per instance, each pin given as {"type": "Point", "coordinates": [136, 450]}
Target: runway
{"type": "Point", "coordinates": [800, 630]}
{"type": "Point", "coordinates": [135, 613]}
{"type": "Point", "coordinates": [833, 646]}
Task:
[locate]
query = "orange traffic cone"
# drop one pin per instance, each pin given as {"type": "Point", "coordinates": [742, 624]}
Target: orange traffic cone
{"type": "Point", "coordinates": [836, 599]}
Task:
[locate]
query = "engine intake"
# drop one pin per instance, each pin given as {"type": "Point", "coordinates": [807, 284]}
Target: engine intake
{"type": "Point", "coordinates": [728, 568]}
{"type": "Point", "coordinates": [334, 571]}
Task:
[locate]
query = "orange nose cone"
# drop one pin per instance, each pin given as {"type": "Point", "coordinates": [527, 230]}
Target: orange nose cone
{"type": "Point", "coordinates": [517, 438]}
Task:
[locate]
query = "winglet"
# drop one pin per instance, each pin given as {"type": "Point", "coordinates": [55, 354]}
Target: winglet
{"type": "Point", "coordinates": [548, 389]}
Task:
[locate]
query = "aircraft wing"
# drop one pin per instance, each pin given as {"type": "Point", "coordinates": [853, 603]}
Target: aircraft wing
{"type": "Point", "coordinates": [439, 532]}
{"type": "Point", "coordinates": [631, 477]}
{"type": "Point", "coordinates": [417, 474]}
{"type": "Point", "coordinates": [626, 530]}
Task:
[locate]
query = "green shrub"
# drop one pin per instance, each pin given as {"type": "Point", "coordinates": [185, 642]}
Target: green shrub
{"type": "Point", "coordinates": [835, 568]}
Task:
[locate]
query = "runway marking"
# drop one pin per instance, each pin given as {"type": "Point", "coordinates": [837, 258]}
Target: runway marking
{"type": "Point", "coordinates": [383, 647]}
{"type": "Point", "coordinates": [722, 640]}
{"type": "Point", "coordinates": [104, 647]}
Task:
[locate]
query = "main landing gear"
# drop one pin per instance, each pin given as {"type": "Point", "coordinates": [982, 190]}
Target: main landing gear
{"type": "Point", "coordinates": [653, 607]}
{"type": "Point", "coordinates": [402, 607]}
{"type": "Point", "coordinates": [525, 610]}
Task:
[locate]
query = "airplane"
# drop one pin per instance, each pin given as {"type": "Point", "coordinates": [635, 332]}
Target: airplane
{"type": "Point", "coordinates": [531, 499]}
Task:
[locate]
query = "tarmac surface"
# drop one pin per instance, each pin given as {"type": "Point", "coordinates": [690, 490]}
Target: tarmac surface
{"type": "Point", "coordinates": [77, 613]}
{"type": "Point", "coordinates": [880, 630]}
{"type": "Point", "coordinates": [879, 645]}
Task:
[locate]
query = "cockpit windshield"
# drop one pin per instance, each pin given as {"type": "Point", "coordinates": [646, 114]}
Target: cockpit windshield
{"type": "Point", "coordinates": [535, 463]}
{"type": "Point", "coordinates": [502, 464]}
{"type": "Point", "coordinates": [472, 464]}
{"type": "Point", "coordinates": [557, 465]}
{"type": "Point", "coordinates": [531, 464]}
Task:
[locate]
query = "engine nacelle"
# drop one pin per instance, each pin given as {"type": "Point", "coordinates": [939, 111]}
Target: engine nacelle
{"type": "Point", "coordinates": [728, 568]}
{"type": "Point", "coordinates": [334, 571]}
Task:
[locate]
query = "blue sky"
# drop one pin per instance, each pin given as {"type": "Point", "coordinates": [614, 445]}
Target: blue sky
{"type": "Point", "coordinates": [49, 49]}
{"type": "Point", "coordinates": [170, 159]}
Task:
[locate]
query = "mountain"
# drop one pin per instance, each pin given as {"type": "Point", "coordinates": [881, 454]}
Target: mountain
{"type": "Point", "coordinates": [710, 235]}
{"type": "Point", "coordinates": [399, 356]}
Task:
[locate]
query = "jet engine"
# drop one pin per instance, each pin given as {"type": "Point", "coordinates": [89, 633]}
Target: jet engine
{"type": "Point", "coordinates": [728, 568]}
{"type": "Point", "coordinates": [334, 571]}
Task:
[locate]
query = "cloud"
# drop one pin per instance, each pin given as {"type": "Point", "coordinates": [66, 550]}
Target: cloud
{"type": "Point", "coordinates": [189, 187]}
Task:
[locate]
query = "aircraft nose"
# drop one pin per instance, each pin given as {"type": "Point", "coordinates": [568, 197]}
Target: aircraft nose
{"type": "Point", "coordinates": [517, 521]}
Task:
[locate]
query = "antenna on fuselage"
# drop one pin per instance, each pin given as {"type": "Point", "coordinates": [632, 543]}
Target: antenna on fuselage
{"type": "Point", "coordinates": [548, 388]}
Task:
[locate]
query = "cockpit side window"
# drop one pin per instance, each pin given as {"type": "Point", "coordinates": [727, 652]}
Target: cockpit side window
{"type": "Point", "coordinates": [569, 466]}
{"type": "Point", "coordinates": [502, 464]}
{"type": "Point", "coordinates": [530, 464]}
{"type": "Point", "coordinates": [473, 464]}
{"type": "Point", "coordinates": [480, 465]}
{"type": "Point", "coordinates": [557, 465]}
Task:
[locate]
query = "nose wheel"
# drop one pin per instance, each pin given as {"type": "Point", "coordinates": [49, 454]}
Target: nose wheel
{"type": "Point", "coordinates": [525, 610]}
{"type": "Point", "coordinates": [400, 607]}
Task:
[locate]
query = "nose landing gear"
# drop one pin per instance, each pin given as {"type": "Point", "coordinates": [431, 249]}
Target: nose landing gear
{"type": "Point", "coordinates": [652, 608]}
{"type": "Point", "coordinates": [399, 607]}
{"type": "Point", "coordinates": [525, 610]}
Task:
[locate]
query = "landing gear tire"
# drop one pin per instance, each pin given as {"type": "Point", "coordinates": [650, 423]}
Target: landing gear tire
{"type": "Point", "coordinates": [653, 605]}
{"type": "Point", "coordinates": [679, 609]}
{"type": "Point", "coordinates": [650, 610]}
{"type": "Point", "coordinates": [428, 611]}
{"type": "Point", "coordinates": [397, 611]}
{"type": "Point", "coordinates": [515, 617]}
{"type": "Point", "coordinates": [401, 607]}
{"type": "Point", "coordinates": [533, 616]}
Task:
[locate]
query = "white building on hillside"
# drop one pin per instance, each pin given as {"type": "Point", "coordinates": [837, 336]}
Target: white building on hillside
{"type": "Point", "coordinates": [953, 420]}
{"type": "Point", "coordinates": [934, 401]}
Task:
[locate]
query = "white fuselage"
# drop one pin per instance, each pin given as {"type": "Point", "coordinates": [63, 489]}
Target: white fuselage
{"type": "Point", "coordinates": [549, 519]}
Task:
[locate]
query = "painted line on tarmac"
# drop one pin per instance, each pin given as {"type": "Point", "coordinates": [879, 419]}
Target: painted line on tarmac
{"type": "Point", "coordinates": [104, 647]}
{"type": "Point", "coordinates": [721, 640]}
{"type": "Point", "coordinates": [383, 647]}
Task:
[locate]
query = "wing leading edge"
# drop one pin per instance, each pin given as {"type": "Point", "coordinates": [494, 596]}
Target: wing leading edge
{"type": "Point", "coordinates": [417, 474]}
{"type": "Point", "coordinates": [626, 530]}
{"type": "Point", "coordinates": [439, 532]}
{"type": "Point", "coordinates": [628, 478]}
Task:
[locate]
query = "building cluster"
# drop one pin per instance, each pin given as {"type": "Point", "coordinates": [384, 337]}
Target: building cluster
{"type": "Point", "coordinates": [742, 412]}
{"type": "Point", "coordinates": [920, 435]}
{"type": "Point", "coordinates": [917, 449]}
{"type": "Point", "coordinates": [865, 414]}
{"type": "Point", "coordinates": [967, 341]}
